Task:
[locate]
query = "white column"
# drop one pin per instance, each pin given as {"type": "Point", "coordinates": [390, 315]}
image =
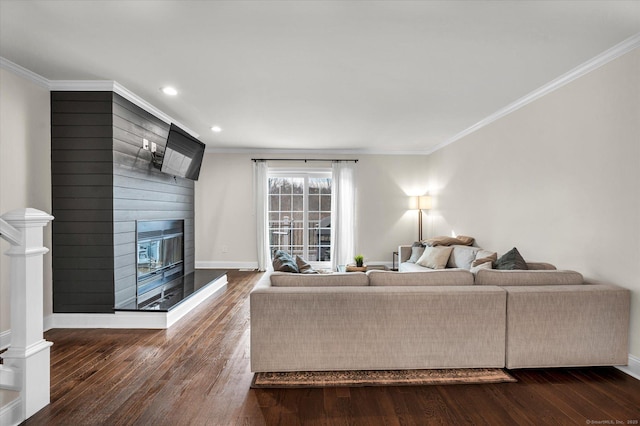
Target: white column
{"type": "Point", "coordinates": [28, 354]}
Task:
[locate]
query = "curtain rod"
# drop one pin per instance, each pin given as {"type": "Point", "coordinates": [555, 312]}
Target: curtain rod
{"type": "Point", "coordinates": [299, 159]}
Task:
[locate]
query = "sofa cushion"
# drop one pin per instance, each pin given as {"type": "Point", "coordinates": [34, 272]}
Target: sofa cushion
{"type": "Point", "coordinates": [511, 260]}
{"type": "Point", "coordinates": [283, 262]}
{"type": "Point", "coordinates": [527, 278]}
{"type": "Point", "coordinates": [435, 257]}
{"type": "Point", "coordinates": [416, 253]}
{"type": "Point", "coordinates": [462, 256]}
{"type": "Point", "coordinates": [430, 278]}
{"type": "Point", "coordinates": [484, 265]}
{"type": "Point", "coordinates": [412, 267]}
{"type": "Point", "coordinates": [344, 279]}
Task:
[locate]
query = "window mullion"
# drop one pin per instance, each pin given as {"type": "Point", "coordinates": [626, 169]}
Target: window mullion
{"type": "Point", "coordinates": [305, 217]}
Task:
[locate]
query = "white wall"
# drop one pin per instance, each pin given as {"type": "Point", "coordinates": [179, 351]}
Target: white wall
{"type": "Point", "coordinates": [559, 179]}
{"type": "Point", "coordinates": [25, 169]}
{"type": "Point", "coordinates": [225, 217]}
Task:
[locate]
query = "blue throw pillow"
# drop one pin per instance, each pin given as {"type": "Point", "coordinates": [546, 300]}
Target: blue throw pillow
{"type": "Point", "coordinates": [283, 262]}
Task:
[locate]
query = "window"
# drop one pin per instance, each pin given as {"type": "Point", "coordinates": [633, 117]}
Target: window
{"type": "Point", "coordinates": [300, 214]}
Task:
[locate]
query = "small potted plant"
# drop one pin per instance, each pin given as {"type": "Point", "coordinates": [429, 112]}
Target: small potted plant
{"type": "Point", "coordinates": [359, 266]}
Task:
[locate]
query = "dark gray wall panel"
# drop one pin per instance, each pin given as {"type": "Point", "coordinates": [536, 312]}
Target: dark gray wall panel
{"type": "Point", "coordinates": [82, 155]}
{"type": "Point", "coordinates": [80, 107]}
{"type": "Point", "coordinates": [85, 192]}
{"type": "Point", "coordinates": [84, 131]}
{"type": "Point", "coordinates": [84, 227]}
{"type": "Point", "coordinates": [82, 262]}
{"type": "Point", "coordinates": [81, 143]}
{"type": "Point", "coordinates": [64, 239]}
{"type": "Point", "coordinates": [82, 201]}
{"type": "Point", "coordinates": [85, 252]}
{"type": "Point", "coordinates": [61, 179]}
{"type": "Point", "coordinates": [102, 183]}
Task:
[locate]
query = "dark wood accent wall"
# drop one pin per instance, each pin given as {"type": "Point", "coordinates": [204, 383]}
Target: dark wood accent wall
{"type": "Point", "coordinates": [102, 183]}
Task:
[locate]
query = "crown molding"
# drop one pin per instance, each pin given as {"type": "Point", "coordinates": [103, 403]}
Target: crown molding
{"type": "Point", "coordinates": [135, 99]}
{"type": "Point", "coordinates": [23, 72]}
{"type": "Point", "coordinates": [605, 57]}
{"type": "Point", "coordinates": [114, 86]}
{"type": "Point", "coordinates": [266, 151]}
{"type": "Point", "coordinates": [82, 85]}
{"type": "Point", "coordinates": [92, 85]}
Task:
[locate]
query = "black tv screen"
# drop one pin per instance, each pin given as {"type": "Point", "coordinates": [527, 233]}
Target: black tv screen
{"type": "Point", "coordinates": [182, 154]}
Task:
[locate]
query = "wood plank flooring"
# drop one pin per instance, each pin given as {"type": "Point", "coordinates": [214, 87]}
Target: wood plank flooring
{"type": "Point", "coordinates": [197, 373]}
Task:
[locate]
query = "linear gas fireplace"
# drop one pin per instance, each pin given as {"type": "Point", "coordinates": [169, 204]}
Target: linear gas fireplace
{"type": "Point", "coordinates": [160, 257]}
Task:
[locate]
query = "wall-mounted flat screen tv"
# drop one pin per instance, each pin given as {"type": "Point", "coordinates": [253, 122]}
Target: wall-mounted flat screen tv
{"type": "Point", "coordinates": [182, 154]}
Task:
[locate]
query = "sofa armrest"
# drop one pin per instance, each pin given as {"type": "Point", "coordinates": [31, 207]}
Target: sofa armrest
{"type": "Point", "coordinates": [404, 253]}
{"type": "Point", "coordinates": [263, 283]}
{"type": "Point", "coordinates": [567, 326]}
{"type": "Point", "coordinates": [541, 266]}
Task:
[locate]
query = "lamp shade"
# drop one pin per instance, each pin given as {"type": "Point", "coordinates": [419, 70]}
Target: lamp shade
{"type": "Point", "coordinates": [421, 202]}
{"type": "Point", "coordinates": [424, 202]}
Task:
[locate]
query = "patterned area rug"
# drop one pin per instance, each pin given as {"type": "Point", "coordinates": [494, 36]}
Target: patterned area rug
{"type": "Point", "coordinates": [319, 379]}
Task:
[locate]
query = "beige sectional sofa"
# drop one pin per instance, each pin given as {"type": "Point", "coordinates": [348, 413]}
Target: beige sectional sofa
{"type": "Point", "coordinates": [440, 319]}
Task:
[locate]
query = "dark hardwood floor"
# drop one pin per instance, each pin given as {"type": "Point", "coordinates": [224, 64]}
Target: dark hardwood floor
{"type": "Point", "coordinates": [197, 373]}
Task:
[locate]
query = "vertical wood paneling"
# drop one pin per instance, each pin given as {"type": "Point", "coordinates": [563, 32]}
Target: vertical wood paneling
{"type": "Point", "coordinates": [103, 182]}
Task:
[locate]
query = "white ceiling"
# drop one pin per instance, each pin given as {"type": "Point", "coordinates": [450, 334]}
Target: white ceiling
{"type": "Point", "coordinates": [362, 76]}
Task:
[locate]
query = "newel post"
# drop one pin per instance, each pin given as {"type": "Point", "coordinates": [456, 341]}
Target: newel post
{"type": "Point", "coordinates": [28, 354]}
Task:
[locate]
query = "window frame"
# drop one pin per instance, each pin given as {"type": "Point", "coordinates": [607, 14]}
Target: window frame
{"type": "Point", "coordinates": [306, 174]}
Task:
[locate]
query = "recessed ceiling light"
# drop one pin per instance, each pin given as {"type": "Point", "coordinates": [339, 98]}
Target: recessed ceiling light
{"type": "Point", "coordinates": [169, 91]}
{"type": "Point", "coordinates": [216, 129]}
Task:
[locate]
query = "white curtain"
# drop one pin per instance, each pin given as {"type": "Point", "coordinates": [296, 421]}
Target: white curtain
{"type": "Point", "coordinates": [260, 193]}
{"type": "Point", "coordinates": [343, 213]}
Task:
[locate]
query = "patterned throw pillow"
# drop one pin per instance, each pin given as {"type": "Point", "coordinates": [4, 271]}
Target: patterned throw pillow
{"type": "Point", "coordinates": [511, 260]}
{"type": "Point", "coordinates": [283, 262]}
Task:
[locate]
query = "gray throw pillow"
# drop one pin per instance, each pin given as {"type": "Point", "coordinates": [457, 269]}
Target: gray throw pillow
{"type": "Point", "coordinates": [511, 260]}
{"type": "Point", "coordinates": [416, 252]}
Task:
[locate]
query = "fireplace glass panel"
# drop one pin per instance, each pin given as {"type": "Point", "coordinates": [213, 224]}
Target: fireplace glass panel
{"type": "Point", "coordinates": [155, 255]}
{"type": "Point", "coordinates": [159, 255]}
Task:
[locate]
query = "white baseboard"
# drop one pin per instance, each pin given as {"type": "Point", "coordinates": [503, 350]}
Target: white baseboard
{"type": "Point", "coordinates": [5, 339]}
{"type": "Point", "coordinates": [213, 264]}
{"type": "Point", "coordinates": [152, 320]}
{"type": "Point", "coordinates": [10, 408]}
{"type": "Point", "coordinates": [633, 369]}
{"type": "Point", "coordinates": [137, 319]}
{"type": "Point", "coordinates": [185, 307]}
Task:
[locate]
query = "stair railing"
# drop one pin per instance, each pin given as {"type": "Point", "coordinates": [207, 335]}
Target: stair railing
{"type": "Point", "coordinates": [26, 366]}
